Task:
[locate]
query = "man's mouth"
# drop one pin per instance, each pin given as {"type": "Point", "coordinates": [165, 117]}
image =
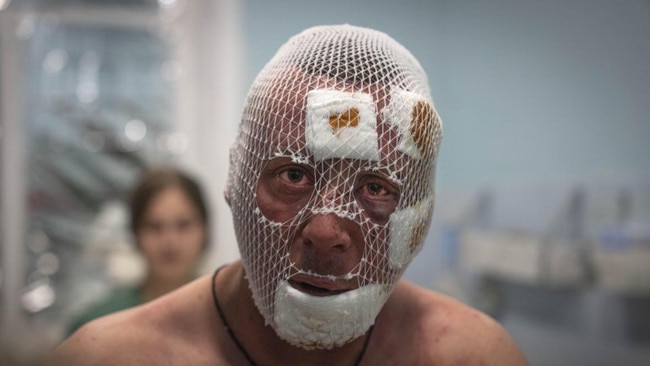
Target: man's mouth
{"type": "Point", "coordinates": [317, 287]}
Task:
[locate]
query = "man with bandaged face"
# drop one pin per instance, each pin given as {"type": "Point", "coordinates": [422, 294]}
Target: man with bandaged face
{"type": "Point", "coordinates": [331, 187]}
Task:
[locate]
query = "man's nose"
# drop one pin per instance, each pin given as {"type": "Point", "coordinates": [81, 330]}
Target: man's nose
{"type": "Point", "coordinates": [327, 232]}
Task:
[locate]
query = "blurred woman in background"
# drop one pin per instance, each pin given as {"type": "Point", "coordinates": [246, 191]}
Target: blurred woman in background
{"type": "Point", "coordinates": [169, 221]}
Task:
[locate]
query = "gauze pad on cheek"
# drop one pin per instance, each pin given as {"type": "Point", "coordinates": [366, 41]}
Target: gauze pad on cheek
{"type": "Point", "coordinates": [406, 227]}
{"type": "Point", "coordinates": [325, 322]}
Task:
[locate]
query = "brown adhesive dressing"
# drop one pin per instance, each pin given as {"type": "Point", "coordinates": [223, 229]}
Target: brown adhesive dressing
{"type": "Point", "coordinates": [349, 118]}
{"type": "Point", "coordinates": [422, 128]}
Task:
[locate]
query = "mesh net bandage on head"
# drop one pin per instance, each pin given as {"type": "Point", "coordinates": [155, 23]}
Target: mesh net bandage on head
{"type": "Point", "coordinates": [344, 103]}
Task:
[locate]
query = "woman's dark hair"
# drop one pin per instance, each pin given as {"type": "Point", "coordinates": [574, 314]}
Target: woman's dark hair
{"type": "Point", "coordinates": [154, 181]}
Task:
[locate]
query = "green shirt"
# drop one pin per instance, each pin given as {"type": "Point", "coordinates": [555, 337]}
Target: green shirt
{"type": "Point", "coordinates": [120, 298]}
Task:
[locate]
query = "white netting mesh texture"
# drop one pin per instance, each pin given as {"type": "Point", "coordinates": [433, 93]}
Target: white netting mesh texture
{"type": "Point", "coordinates": [338, 130]}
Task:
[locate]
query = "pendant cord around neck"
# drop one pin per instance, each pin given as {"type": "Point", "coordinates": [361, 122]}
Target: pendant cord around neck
{"type": "Point", "coordinates": [224, 321]}
{"type": "Point", "coordinates": [239, 345]}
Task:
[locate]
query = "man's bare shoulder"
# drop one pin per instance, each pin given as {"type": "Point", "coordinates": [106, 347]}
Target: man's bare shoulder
{"type": "Point", "coordinates": [447, 331]}
{"type": "Point", "coordinates": [107, 340]}
{"type": "Point", "coordinates": [164, 329]}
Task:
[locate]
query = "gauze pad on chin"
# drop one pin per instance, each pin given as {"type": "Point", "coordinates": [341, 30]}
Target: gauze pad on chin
{"type": "Point", "coordinates": [310, 322]}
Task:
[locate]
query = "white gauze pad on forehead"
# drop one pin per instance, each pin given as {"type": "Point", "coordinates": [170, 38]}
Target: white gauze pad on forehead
{"type": "Point", "coordinates": [341, 125]}
{"type": "Point", "coordinates": [400, 113]}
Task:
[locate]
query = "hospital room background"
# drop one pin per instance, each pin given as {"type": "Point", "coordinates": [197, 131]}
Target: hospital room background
{"type": "Point", "coordinates": [542, 215]}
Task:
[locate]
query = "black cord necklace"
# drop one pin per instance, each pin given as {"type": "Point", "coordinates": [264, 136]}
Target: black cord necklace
{"type": "Point", "coordinates": [239, 345]}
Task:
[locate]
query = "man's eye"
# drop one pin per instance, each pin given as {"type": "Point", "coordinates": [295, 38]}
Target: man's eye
{"type": "Point", "coordinates": [294, 175]}
{"type": "Point", "coordinates": [378, 197]}
{"type": "Point", "coordinates": [376, 189]}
